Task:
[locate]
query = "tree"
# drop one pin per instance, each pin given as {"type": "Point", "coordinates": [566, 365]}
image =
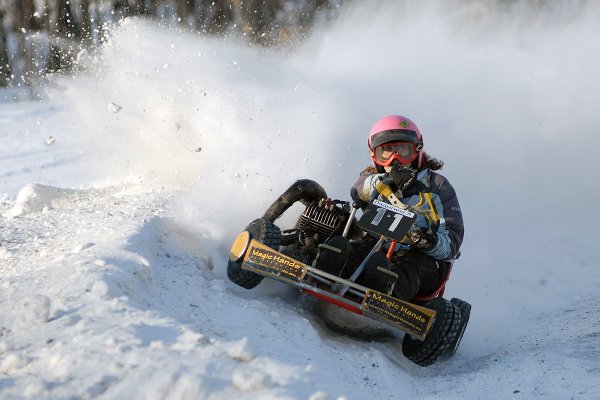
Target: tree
{"type": "Point", "coordinates": [74, 24]}
{"type": "Point", "coordinates": [5, 70]}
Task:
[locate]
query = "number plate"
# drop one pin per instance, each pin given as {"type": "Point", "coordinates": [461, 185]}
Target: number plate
{"type": "Point", "coordinates": [387, 220]}
{"type": "Point", "coordinates": [411, 318]}
{"type": "Point", "coordinates": [264, 260]}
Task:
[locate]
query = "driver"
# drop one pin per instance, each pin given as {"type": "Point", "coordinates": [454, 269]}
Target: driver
{"type": "Point", "coordinates": [423, 259]}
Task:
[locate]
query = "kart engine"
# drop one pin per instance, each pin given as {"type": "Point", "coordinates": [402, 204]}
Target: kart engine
{"type": "Point", "coordinates": [320, 220]}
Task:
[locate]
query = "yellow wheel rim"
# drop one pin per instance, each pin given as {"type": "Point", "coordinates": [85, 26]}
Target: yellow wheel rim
{"type": "Point", "coordinates": [238, 249]}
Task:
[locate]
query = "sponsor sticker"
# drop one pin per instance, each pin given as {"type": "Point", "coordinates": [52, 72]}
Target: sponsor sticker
{"type": "Point", "coordinates": [264, 260]}
{"type": "Point", "coordinates": [411, 318]}
{"type": "Point", "coordinates": [395, 209]}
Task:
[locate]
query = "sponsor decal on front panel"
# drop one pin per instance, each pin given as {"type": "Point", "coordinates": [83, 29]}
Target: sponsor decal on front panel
{"type": "Point", "coordinates": [410, 317]}
{"type": "Point", "coordinates": [266, 261]}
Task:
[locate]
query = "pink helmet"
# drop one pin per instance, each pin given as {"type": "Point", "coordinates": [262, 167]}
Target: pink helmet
{"type": "Point", "coordinates": [395, 128]}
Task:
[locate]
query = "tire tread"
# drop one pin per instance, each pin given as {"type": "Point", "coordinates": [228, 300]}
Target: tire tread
{"type": "Point", "coordinates": [265, 232]}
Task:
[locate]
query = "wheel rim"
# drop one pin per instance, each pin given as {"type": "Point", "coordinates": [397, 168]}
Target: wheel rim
{"type": "Point", "coordinates": [239, 247]}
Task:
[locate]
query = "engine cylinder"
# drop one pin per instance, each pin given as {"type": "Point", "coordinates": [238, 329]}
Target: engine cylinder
{"type": "Point", "coordinates": [320, 218]}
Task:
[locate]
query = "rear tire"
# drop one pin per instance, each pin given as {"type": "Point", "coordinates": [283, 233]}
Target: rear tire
{"type": "Point", "coordinates": [465, 313]}
{"type": "Point", "coordinates": [440, 339]}
{"type": "Point", "coordinates": [265, 232]}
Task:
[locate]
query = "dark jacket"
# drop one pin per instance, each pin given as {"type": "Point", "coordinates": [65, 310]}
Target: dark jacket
{"type": "Point", "coordinates": [436, 204]}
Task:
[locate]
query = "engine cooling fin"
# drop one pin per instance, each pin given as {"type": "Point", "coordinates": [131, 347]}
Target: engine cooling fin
{"type": "Point", "coordinates": [320, 218]}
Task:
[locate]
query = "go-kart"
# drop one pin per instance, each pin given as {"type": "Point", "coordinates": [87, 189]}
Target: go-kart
{"type": "Point", "coordinates": [314, 257]}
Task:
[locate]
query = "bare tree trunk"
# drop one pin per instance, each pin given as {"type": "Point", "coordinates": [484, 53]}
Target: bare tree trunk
{"type": "Point", "coordinates": [53, 15]}
{"type": "Point", "coordinates": [86, 23]}
{"type": "Point", "coordinates": [17, 28]}
{"type": "Point", "coordinates": [217, 16]}
{"type": "Point", "coordinates": [125, 8]}
{"type": "Point", "coordinates": [5, 70]}
{"type": "Point", "coordinates": [62, 30]}
{"type": "Point", "coordinates": [135, 7]}
{"type": "Point", "coordinates": [185, 11]}
{"type": "Point", "coordinates": [52, 18]}
{"type": "Point", "coordinates": [25, 37]}
{"type": "Point", "coordinates": [257, 19]}
{"type": "Point", "coordinates": [307, 18]}
{"type": "Point", "coordinates": [148, 7]}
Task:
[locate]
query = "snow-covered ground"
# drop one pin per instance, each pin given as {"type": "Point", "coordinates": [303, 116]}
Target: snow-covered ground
{"type": "Point", "coordinates": [121, 192]}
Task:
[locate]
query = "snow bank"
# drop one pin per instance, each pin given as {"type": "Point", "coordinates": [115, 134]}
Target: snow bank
{"type": "Point", "coordinates": [111, 281]}
{"type": "Point", "coordinates": [36, 197]}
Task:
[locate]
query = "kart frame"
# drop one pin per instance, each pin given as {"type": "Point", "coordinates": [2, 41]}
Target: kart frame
{"type": "Point", "coordinates": [410, 318]}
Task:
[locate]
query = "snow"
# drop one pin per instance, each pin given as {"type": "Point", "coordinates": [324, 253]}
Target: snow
{"type": "Point", "coordinates": [114, 235]}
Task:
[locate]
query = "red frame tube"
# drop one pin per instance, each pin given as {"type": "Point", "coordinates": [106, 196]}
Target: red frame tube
{"type": "Point", "coordinates": [335, 301]}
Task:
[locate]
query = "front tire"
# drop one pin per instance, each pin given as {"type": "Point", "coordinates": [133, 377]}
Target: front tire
{"type": "Point", "coordinates": [441, 339]}
{"type": "Point", "coordinates": [265, 232]}
{"type": "Point", "coordinates": [465, 314]}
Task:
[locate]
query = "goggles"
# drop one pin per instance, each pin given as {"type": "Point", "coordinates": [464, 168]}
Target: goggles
{"type": "Point", "coordinates": [403, 152]}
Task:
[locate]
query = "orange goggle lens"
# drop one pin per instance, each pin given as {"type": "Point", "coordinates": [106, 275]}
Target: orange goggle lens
{"type": "Point", "coordinates": [386, 153]}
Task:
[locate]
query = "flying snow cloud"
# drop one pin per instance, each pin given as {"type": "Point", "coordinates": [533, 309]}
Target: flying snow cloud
{"type": "Point", "coordinates": [507, 96]}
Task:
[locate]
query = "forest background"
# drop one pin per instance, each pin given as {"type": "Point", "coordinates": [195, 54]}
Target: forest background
{"type": "Point", "coordinates": [41, 36]}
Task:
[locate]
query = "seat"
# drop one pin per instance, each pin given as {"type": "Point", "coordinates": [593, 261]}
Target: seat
{"type": "Point", "coordinates": [439, 292]}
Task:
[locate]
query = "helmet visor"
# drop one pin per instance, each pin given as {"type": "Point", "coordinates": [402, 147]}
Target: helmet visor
{"type": "Point", "coordinates": [403, 152]}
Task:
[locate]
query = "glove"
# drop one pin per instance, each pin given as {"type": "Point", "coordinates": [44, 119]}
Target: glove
{"type": "Point", "coordinates": [422, 240]}
{"type": "Point", "coordinates": [399, 178]}
{"type": "Point", "coordinates": [402, 177]}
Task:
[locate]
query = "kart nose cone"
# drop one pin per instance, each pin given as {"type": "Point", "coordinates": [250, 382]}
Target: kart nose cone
{"type": "Point", "coordinates": [238, 249]}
